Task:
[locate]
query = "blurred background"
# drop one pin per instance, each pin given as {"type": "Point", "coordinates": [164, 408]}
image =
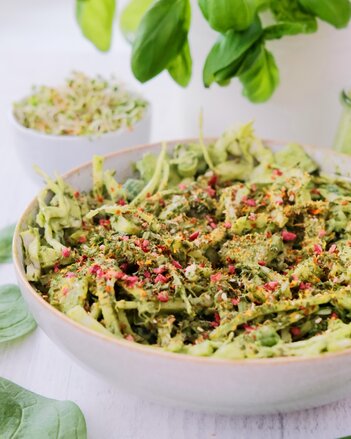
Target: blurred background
{"type": "Point", "coordinates": [40, 43]}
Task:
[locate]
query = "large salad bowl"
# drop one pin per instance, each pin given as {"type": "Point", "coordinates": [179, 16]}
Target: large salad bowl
{"type": "Point", "coordinates": [250, 386]}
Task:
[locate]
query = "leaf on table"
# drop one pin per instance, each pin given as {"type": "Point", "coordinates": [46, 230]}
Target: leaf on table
{"type": "Point", "coordinates": [15, 319]}
{"type": "Point", "coordinates": [95, 18]}
{"type": "Point", "coordinates": [24, 414]}
{"type": "Point", "coordinates": [6, 235]}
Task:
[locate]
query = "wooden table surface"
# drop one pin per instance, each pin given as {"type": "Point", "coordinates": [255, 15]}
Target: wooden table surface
{"type": "Point", "coordinates": [35, 362]}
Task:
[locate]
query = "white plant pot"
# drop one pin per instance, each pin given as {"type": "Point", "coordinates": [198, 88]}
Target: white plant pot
{"type": "Point", "coordinates": [306, 108]}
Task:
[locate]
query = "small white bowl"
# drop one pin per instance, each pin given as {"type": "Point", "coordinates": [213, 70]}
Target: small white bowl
{"type": "Point", "coordinates": [255, 386]}
{"type": "Point", "coordinates": [59, 153]}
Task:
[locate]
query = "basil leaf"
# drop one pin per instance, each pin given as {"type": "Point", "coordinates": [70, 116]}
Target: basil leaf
{"type": "Point", "coordinates": [181, 67]}
{"type": "Point", "coordinates": [280, 30]}
{"type": "Point", "coordinates": [224, 75]}
{"type": "Point", "coordinates": [261, 5]}
{"type": "Point", "coordinates": [224, 15]}
{"type": "Point", "coordinates": [160, 37]}
{"type": "Point", "coordinates": [291, 12]}
{"type": "Point", "coordinates": [131, 17]}
{"type": "Point", "coordinates": [95, 18]}
{"type": "Point", "coordinates": [259, 74]}
{"type": "Point", "coordinates": [228, 49]}
{"type": "Point", "coordinates": [24, 414]}
{"type": "Point", "coordinates": [335, 12]}
{"type": "Point", "coordinates": [6, 236]}
{"type": "Point", "coordinates": [204, 8]}
{"type": "Point", "coordinates": [15, 319]}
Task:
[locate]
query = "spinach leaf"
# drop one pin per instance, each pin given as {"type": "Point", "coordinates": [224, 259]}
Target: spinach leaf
{"type": "Point", "coordinates": [228, 50]}
{"type": "Point", "coordinates": [24, 414]}
{"type": "Point", "coordinates": [95, 18]}
{"type": "Point", "coordinates": [181, 67]}
{"type": "Point", "coordinates": [6, 236]}
{"type": "Point", "coordinates": [131, 17]}
{"type": "Point", "coordinates": [15, 319]}
{"type": "Point", "coordinates": [335, 12]}
{"type": "Point", "coordinates": [160, 37]}
{"type": "Point", "coordinates": [224, 15]}
{"type": "Point", "coordinates": [259, 74]}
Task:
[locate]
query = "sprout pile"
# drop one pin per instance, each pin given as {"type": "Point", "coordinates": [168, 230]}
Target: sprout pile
{"type": "Point", "coordinates": [83, 106]}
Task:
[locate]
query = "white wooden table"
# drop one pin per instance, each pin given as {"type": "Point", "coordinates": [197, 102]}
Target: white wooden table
{"type": "Point", "coordinates": [35, 362]}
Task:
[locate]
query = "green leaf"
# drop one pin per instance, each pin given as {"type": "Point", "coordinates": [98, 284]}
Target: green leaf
{"type": "Point", "coordinates": [223, 77]}
{"type": "Point", "coordinates": [290, 12]}
{"type": "Point", "coordinates": [224, 15]}
{"type": "Point", "coordinates": [259, 75]}
{"type": "Point", "coordinates": [160, 37]}
{"type": "Point", "coordinates": [6, 236]}
{"type": "Point", "coordinates": [15, 319]}
{"type": "Point", "coordinates": [226, 52]}
{"type": "Point", "coordinates": [95, 18]}
{"type": "Point", "coordinates": [277, 31]}
{"type": "Point", "coordinates": [133, 187]}
{"type": "Point", "coordinates": [204, 8]}
{"type": "Point", "coordinates": [146, 166]}
{"type": "Point", "coordinates": [24, 414]}
{"type": "Point", "coordinates": [181, 67]}
{"type": "Point", "coordinates": [334, 12]}
{"type": "Point", "coordinates": [292, 20]}
{"type": "Point", "coordinates": [131, 17]}
{"type": "Point", "coordinates": [261, 5]}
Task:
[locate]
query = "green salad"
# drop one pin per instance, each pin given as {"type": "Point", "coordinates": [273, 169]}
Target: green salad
{"type": "Point", "coordinates": [227, 250]}
{"type": "Point", "coordinates": [83, 106]}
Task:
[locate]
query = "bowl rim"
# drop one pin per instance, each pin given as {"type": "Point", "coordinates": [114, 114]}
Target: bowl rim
{"type": "Point", "coordinates": [146, 118]}
{"type": "Point", "coordinates": [152, 350]}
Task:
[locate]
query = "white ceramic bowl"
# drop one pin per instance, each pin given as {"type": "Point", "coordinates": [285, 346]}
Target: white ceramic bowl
{"type": "Point", "coordinates": [54, 153]}
{"type": "Point", "coordinates": [214, 385]}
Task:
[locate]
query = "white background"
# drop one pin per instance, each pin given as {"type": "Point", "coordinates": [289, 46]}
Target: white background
{"type": "Point", "coordinates": [40, 42]}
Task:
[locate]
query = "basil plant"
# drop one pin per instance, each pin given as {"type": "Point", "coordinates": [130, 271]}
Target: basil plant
{"type": "Point", "coordinates": [158, 32]}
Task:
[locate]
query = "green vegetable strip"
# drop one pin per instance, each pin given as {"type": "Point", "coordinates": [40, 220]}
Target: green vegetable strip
{"type": "Point", "coordinates": [156, 178]}
{"type": "Point", "coordinates": [265, 309]}
{"type": "Point", "coordinates": [202, 144]}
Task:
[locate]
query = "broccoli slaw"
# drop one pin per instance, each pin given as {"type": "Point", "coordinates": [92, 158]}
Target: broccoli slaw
{"type": "Point", "coordinates": [227, 250]}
